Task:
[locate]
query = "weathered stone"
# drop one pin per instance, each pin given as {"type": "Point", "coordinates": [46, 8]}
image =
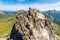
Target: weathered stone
{"type": "Point", "coordinates": [35, 26]}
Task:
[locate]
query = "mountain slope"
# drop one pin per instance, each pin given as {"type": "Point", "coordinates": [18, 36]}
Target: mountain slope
{"type": "Point", "coordinates": [53, 15]}
{"type": "Point", "coordinates": [57, 28]}
{"type": "Point", "coordinates": [33, 26]}
{"type": "Point", "coordinates": [6, 23]}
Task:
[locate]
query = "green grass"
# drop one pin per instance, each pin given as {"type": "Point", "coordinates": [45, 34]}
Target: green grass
{"type": "Point", "coordinates": [6, 24]}
{"type": "Point", "coordinates": [57, 28]}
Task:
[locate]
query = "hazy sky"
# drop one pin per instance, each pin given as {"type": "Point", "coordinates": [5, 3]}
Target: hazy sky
{"type": "Point", "coordinates": [43, 5]}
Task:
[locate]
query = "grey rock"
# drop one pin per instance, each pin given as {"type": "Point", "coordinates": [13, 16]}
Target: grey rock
{"type": "Point", "coordinates": [35, 26]}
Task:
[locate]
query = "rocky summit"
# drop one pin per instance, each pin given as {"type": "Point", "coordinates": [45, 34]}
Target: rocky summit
{"type": "Point", "coordinates": [33, 26]}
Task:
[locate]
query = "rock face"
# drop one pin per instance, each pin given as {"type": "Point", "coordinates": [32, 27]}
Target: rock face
{"type": "Point", "coordinates": [33, 26]}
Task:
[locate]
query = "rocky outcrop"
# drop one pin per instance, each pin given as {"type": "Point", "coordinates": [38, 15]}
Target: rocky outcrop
{"type": "Point", "coordinates": [35, 26]}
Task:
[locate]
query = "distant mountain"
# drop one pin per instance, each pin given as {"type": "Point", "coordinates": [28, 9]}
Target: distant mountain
{"type": "Point", "coordinates": [14, 12]}
{"type": "Point", "coordinates": [23, 12]}
{"type": "Point", "coordinates": [1, 12]}
{"type": "Point", "coordinates": [9, 12]}
{"type": "Point", "coordinates": [53, 15]}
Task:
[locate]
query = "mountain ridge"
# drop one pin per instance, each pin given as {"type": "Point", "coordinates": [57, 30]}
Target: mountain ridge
{"type": "Point", "coordinates": [54, 15]}
{"type": "Point", "coordinates": [33, 26]}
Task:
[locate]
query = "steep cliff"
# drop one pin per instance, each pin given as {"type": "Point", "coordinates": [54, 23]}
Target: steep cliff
{"type": "Point", "coordinates": [33, 26]}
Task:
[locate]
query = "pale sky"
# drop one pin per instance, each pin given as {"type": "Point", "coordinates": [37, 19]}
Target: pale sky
{"type": "Point", "coordinates": [43, 5]}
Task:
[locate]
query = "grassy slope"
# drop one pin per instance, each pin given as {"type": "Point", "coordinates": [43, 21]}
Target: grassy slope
{"type": "Point", "coordinates": [57, 28]}
{"type": "Point", "coordinates": [6, 23]}
{"type": "Point", "coordinates": [56, 25]}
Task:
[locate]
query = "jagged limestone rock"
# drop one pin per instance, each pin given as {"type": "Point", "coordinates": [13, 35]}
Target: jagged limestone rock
{"type": "Point", "coordinates": [35, 26]}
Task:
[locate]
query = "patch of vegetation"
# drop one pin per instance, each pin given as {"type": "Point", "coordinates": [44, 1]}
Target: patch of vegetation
{"type": "Point", "coordinates": [57, 28]}
{"type": "Point", "coordinates": [6, 23]}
